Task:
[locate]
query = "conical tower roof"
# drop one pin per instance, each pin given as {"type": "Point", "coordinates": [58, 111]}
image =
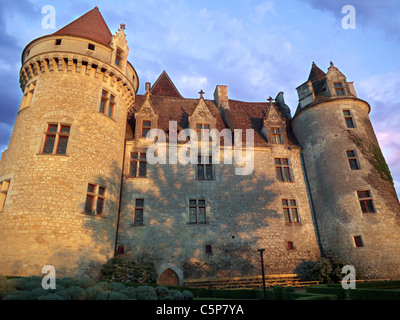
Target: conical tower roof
{"type": "Point", "coordinates": [90, 26]}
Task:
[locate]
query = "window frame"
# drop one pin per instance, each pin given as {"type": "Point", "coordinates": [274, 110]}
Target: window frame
{"type": "Point", "coordinates": [139, 164]}
{"type": "Point", "coordinates": [118, 57]}
{"type": "Point", "coordinates": [280, 167]}
{"type": "Point", "coordinates": [197, 206]}
{"type": "Point", "coordinates": [358, 239]}
{"type": "Point", "coordinates": [290, 207]}
{"type": "Point", "coordinates": [96, 198]}
{"type": "Point", "coordinates": [349, 117]}
{"type": "Point", "coordinates": [276, 136]}
{"type": "Point", "coordinates": [339, 88]}
{"type": "Point", "coordinates": [353, 159]}
{"type": "Point", "coordinates": [58, 135]}
{"type": "Point", "coordinates": [205, 168]}
{"type": "Point", "coordinates": [146, 128]}
{"type": "Point", "coordinates": [366, 201]}
{"type": "Point", "coordinates": [200, 130]}
{"type": "Point", "coordinates": [138, 208]}
{"type": "Point", "coordinates": [4, 192]}
{"type": "Point", "coordinates": [108, 101]}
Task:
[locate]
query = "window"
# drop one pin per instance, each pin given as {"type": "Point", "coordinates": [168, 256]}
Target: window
{"type": "Point", "coordinates": [365, 198]}
{"type": "Point", "coordinates": [95, 199]}
{"type": "Point", "coordinates": [91, 46]}
{"type": "Point", "coordinates": [28, 95]}
{"type": "Point", "coordinates": [339, 88]}
{"type": "Point", "coordinates": [276, 135]}
{"type": "Point", "coordinates": [208, 249]}
{"type": "Point", "coordinates": [197, 211]}
{"type": "Point", "coordinates": [146, 127]}
{"type": "Point", "coordinates": [4, 186]}
{"type": "Point", "coordinates": [107, 104]}
{"type": "Point", "coordinates": [283, 170]}
{"type": "Point", "coordinates": [290, 245]}
{"type": "Point", "coordinates": [139, 207]}
{"type": "Point", "coordinates": [204, 168]}
{"type": "Point", "coordinates": [290, 211]}
{"type": "Point", "coordinates": [353, 160]}
{"type": "Point", "coordinates": [349, 119]}
{"type": "Point", "coordinates": [358, 243]}
{"type": "Point", "coordinates": [199, 129]}
{"type": "Point", "coordinates": [138, 165]}
{"type": "Point", "coordinates": [118, 57]}
{"type": "Point", "coordinates": [56, 139]}
{"type": "Point", "coordinates": [58, 42]}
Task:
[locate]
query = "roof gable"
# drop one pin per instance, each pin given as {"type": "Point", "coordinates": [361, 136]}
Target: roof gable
{"type": "Point", "coordinates": [90, 26]}
{"type": "Point", "coordinates": [165, 87]}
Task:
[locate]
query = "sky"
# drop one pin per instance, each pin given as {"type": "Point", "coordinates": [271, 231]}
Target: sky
{"type": "Point", "coordinates": [257, 48]}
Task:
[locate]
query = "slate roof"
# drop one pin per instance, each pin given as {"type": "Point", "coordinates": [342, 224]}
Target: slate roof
{"type": "Point", "coordinates": [90, 26]}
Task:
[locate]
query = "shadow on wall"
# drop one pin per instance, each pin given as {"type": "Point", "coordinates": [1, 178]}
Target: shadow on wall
{"type": "Point", "coordinates": [237, 220]}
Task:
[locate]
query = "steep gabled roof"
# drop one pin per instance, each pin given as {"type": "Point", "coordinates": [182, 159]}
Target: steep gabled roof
{"type": "Point", "coordinates": [165, 87]}
{"type": "Point", "coordinates": [90, 26]}
{"type": "Point", "coordinates": [316, 73]}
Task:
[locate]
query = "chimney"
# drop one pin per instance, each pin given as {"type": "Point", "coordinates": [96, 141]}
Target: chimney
{"type": "Point", "coordinates": [147, 87]}
{"type": "Point", "coordinates": [221, 96]}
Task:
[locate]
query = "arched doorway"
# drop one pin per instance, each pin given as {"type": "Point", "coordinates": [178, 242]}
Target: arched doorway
{"type": "Point", "coordinates": [168, 278]}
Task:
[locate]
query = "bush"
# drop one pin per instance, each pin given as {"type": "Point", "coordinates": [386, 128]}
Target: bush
{"type": "Point", "coordinates": [187, 295]}
{"type": "Point", "coordinates": [325, 270]}
{"type": "Point", "coordinates": [103, 295]}
{"type": "Point", "coordinates": [129, 271]}
{"type": "Point", "coordinates": [117, 296]}
{"type": "Point", "coordinates": [161, 292]}
{"type": "Point", "coordinates": [50, 296]}
{"type": "Point", "coordinates": [117, 286]}
{"type": "Point", "coordinates": [92, 292]}
{"type": "Point", "coordinates": [130, 292]}
{"type": "Point", "coordinates": [278, 292]}
{"type": "Point", "coordinates": [146, 293]}
{"type": "Point", "coordinates": [176, 295]}
{"type": "Point", "coordinates": [318, 297]}
{"type": "Point", "coordinates": [7, 286]}
{"type": "Point", "coordinates": [76, 293]}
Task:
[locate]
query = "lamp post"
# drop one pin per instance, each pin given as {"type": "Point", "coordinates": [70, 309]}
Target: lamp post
{"type": "Point", "coordinates": [262, 271]}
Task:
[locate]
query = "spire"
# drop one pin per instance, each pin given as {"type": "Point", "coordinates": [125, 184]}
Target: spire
{"type": "Point", "coordinates": [90, 26]}
{"type": "Point", "coordinates": [316, 73]}
{"type": "Point", "coordinates": [165, 87]}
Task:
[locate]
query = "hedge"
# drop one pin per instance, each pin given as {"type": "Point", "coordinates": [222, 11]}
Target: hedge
{"type": "Point", "coordinates": [374, 294]}
{"type": "Point", "coordinates": [339, 292]}
{"type": "Point", "coordinates": [319, 297]}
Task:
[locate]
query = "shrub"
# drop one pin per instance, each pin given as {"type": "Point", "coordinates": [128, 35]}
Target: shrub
{"type": "Point", "coordinates": [318, 297]}
{"type": "Point", "coordinates": [117, 286]}
{"type": "Point", "coordinates": [161, 292]}
{"type": "Point", "coordinates": [325, 270]}
{"type": "Point", "coordinates": [50, 296]}
{"type": "Point", "coordinates": [176, 295]}
{"type": "Point", "coordinates": [187, 295]}
{"type": "Point", "coordinates": [66, 282]}
{"type": "Point", "coordinates": [103, 295]}
{"type": "Point", "coordinates": [129, 271]}
{"type": "Point", "coordinates": [287, 291]}
{"type": "Point", "coordinates": [76, 293]}
{"type": "Point", "coordinates": [28, 283]}
{"type": "Point", "coordinates": [130, 292]}
{"type": "Point", "coordinates": [374, 294]}
{"type": "Point", "coordinates": [117, 296]}
{"type": "Point", "coordinates": [146, 293]}
{"type": "Point", "coordinates": [339, 292]}
{"type": "Point", "coordinates": [7, 286]}
{"type": "Point", "coordinates": [92, 292]}
{"type": "Point", "coordinates": [278, 292]}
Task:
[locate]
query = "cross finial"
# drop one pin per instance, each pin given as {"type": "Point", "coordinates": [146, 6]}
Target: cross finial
{"type": "Point", "coordinates": [201, 93]}
{"type": "Point", "coordinates": [122, 25]}
{"type": "Point", "coordinates": [270, 100]}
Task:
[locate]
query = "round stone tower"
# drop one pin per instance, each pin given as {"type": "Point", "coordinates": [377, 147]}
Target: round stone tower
{"type": "Point", "coordinates": [356, 209]}
{"type": "Point", "coordinates": [61, 174]}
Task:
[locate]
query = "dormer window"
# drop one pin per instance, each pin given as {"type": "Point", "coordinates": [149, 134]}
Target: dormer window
{"type": "Point", "coordinates": [199, 129]}
{"type": "Point", "coordinates": [339, 88]}
{"type": "Point", "coordinates": [276, 135]}
{"type": "Point", "coordinates": [146, 127]}
{"type": "Point", "coordinates": [118, 57]}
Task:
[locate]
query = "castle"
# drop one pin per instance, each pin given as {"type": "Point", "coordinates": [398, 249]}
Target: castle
{"type": "Point", "coordinates": [77, 186]}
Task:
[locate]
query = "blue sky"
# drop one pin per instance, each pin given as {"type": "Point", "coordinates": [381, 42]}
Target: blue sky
{"type": "Point", "coordinates": [257, 48]}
